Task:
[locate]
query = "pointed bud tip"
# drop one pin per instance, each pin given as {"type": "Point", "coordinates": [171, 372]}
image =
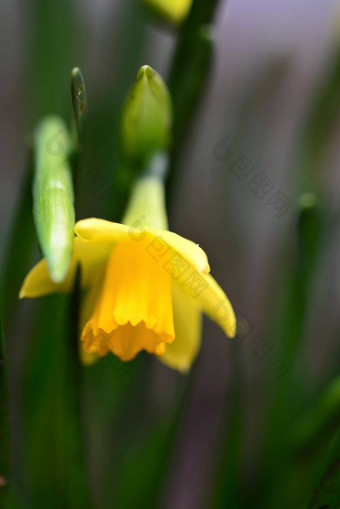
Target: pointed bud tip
{"type": "Point", "coordinates": [75, 71]}
{"type": "Point", "coordinates": [145, 72]}
{"type": "Point", "coordinates": [58, 262]}
{"type": "Point", "coordinates": [77, 77]}
{"type": "Point", "coordinates": [307, 200]}
{"type": "Point", "coordinates": [58, 274]}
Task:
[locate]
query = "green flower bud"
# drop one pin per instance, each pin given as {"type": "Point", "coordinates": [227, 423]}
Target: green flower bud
{"type": "Point", "coordinates": [53, 208]}
{"type": "Point", "coordinates": [174, 11]}
{"type": "Point", "coordinates": [79, 102]}
{"type": "Point", "coordinates": [147, 117]}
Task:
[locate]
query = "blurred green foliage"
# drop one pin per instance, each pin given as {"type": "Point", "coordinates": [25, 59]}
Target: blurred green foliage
{"type": "Point", "coordinates": [4, 418]}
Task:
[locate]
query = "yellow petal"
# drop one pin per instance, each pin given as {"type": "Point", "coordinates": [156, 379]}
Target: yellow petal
{"type": "Point", "coordinates": [187, 318]}
{"type": "Point", "coordinates": [163, 245]}
{"type": "Point", "coordinates": [100, 230]}
{"type": "Point", "coordinates": [89, 297]}
{"type": "Point", "coordinates": [91, 258]}
{"type": "Point", "coordinates": [210, 298]}
{"type": "Point", "coordinates": [38, 282]}
{"type": "Point", "coordinates": [181, 250]}
{"type": "Point", "coordinates": [134, 308]}
{"type": "Point", "coordinates": [87, 359]}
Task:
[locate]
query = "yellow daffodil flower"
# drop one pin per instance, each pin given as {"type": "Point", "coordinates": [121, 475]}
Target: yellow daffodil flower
{"type": "Point", "coordinates": [144, 287]}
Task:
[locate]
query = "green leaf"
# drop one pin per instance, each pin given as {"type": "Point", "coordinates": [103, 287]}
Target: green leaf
{"type": "Point", "coordinates": [285, 395]}
{"type": "Point", "coordinates": [319, 423]}
{"type": "Point", "coordinates": [327, 494]}
{"type": "Point", "coordinates": [4, 419]}
{"type": "Point", "coordinates": [112, 389]}
{"type": "Point", "coordinates": [309, 237]}
{"type": "Point", "coordinates": [145, 458]}
{"type": "Point", "coordinates": [19, 251]}
{"type": "Point", "coordinates": [53, 430]}
{"type": "Point", "coordinates": [59, 24]}
{"type": "Point", "coordinates": [226, 489]}
{"type": "Point", "coordinates": [143, 470]}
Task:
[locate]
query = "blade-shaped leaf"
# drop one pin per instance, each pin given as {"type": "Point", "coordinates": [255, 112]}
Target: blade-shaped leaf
{"type": "Point", "coordinates": [4, 418]}
{"type": "Point", "coordinates": [55, 458]}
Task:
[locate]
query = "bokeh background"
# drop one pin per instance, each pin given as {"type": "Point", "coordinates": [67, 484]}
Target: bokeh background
{"type": "Point", "coordinates": [267, 124]}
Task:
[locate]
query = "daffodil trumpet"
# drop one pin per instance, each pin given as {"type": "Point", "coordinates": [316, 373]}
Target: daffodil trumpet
{"type": "Point", "coordinates": [144, 287]}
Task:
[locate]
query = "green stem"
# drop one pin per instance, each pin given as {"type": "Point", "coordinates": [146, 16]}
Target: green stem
{"type": "Point", "coordinates": [190, 70]}
{"type": "Point", "coordinates": [188, 75]}
{"type": "Point", "coordinates": [78, 494]}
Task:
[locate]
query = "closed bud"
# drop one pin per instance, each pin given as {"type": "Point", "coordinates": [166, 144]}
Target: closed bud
{"type": "Point", "coordinates": [53, 208]}
{"type": "Point", "coordinates": [147, 117]}
{"type": "Point", "coordinates": [174, 11]}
